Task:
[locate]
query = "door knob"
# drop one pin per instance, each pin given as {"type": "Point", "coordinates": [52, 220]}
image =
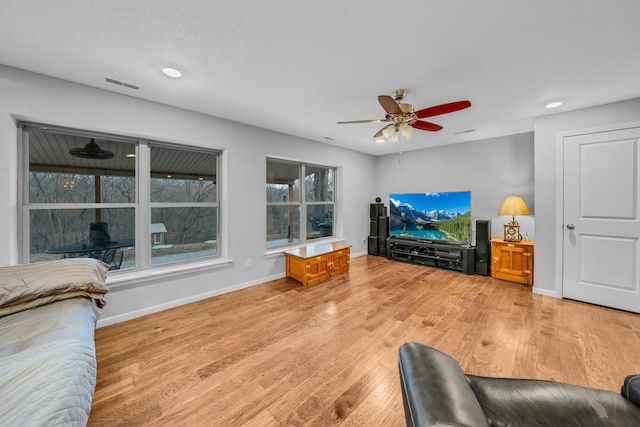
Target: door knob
{"type": "Point", "coordinates": [571, 226]}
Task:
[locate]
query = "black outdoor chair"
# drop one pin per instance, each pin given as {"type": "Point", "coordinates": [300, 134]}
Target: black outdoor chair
{"type": "Point", "coordinates": [113, 257]}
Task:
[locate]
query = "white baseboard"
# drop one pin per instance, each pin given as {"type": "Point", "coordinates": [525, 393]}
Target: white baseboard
{"type": "Point", "coordinates": [546, 292]}
{"type": "Point", "coordinates": [171, 304]}
{"type": "Point", "coordinates": [356, 255]}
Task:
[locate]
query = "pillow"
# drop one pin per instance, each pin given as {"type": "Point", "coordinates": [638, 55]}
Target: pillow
{"type": "Point", "coordinates": [21, 306]}
{"type": "Point", "coordinates": [35, 283]}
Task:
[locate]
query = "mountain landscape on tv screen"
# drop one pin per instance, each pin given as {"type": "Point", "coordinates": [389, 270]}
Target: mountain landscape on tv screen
{"type": "Point", "coordinates": [438, 216]}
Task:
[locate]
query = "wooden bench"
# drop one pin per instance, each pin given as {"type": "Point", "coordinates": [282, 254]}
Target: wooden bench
{"type": "Point", "coordinates": [314, 263]}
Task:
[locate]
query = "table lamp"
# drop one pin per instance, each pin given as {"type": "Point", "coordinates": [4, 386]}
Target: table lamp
{"type": "Point", "coordinates": [513, 205]}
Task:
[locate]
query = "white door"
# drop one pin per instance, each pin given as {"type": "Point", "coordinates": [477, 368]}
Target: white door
{"type": "Point", "coordinates": [601, 253]}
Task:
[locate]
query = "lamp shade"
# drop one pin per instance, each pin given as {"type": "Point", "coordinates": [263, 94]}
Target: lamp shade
{"type": "Point", "coordinates": [514, 205]}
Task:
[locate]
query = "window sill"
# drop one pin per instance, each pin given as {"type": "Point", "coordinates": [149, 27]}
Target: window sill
{"type": "Point", "coordinates": [124, 278]}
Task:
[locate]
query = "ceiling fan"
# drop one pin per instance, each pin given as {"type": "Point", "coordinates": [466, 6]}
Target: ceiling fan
{"type": "Point", "coordinates": [91, 151]}
{"type": "Point", "coordinates": [403, 119]}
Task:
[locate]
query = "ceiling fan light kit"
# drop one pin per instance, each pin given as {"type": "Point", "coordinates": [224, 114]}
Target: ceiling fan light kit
{"type": "Point", "coordinates": [406, 130]}
{"type": "Point", "coordinates": [404, 119]}
{"type": "Point", "coordinates": [391, 133]}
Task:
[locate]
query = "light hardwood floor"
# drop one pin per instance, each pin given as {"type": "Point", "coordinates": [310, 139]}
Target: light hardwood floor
{"type": "Point", "coordinates": [280, 354]}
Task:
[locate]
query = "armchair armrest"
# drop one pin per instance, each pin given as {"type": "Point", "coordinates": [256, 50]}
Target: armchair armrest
{"type": "Point", "coordinates": [631, 388]}
{"type": "Point", "coordinates": [435, 391]}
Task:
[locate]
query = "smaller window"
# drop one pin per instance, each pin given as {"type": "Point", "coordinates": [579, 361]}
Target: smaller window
{"type": "Point", "coordinates": [287, 204]}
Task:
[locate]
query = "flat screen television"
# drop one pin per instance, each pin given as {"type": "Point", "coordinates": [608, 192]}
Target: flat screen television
{"type": "Point", "coordinates": [431, 216]}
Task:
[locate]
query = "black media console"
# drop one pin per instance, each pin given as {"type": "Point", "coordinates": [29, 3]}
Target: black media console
{"type": "Point", "coordinates": [432, 253]}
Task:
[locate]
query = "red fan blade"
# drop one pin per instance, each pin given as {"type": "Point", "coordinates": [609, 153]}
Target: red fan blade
{"type": "Point", "coordinates": [443, 109]}
{"type": "Point", "coordinates": [389, 104]}
{"type": "Point", "coordinates": [422, 125]}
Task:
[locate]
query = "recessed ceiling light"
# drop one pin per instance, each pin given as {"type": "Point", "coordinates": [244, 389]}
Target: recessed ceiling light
{"type": "Point", "coordinates": [554, 104]}
{"type": "Point", "coordinates": [172, 72]}
{"type": "Point", "coordinates": [380, 140]}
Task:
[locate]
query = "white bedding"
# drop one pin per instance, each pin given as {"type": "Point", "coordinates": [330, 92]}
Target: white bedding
{"type": "Point", "coordinates": [48, 365]}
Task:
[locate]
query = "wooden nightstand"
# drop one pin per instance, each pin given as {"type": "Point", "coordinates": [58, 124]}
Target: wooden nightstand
{"type": "Point", "coordinates": [512, 261]}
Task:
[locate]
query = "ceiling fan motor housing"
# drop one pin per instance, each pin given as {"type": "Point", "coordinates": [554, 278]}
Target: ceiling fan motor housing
{"type": "Point", "coordinates": [399, 94]}
{"type": "Point", "coordinates": [406, 108]}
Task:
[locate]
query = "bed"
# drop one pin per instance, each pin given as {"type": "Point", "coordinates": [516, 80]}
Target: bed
{"type": "Point", "coordinates": [48, 313]}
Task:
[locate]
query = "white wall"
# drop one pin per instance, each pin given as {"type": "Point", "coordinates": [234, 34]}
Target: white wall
{"type": "Point", "coordinates": [42, 99]}
{"type": "Point", "coordinates": [492, 169]}
{"type": "Point", "coordinates": [549, 231]}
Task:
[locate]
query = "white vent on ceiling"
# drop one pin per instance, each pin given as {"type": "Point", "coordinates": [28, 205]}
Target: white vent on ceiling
{"type": "Point", "coordinates": [119, 83]}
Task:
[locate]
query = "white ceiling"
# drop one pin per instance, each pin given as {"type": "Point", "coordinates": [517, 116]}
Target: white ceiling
{"type": "Point", "coordinates": [298, 67]}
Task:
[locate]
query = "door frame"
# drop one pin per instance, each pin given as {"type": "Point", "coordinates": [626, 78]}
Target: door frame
{"type": "Point", "coordinates": [559, 236]}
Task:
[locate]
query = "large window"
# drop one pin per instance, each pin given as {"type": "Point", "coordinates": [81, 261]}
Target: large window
{"type": "Point", "coordinates": [128, 202]}
{"type": "Point", "coordinates": [295, 191]}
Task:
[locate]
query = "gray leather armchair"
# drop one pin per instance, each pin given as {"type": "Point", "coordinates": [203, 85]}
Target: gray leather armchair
{"type": "Point", "coordinates": [436, 392]}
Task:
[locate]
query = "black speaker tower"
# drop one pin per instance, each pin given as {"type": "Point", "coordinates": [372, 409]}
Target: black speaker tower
{"type": "Point", "coordinates": [483, 247]}
{"type": "Point", "coordinates": [373, 245]}
{"type": "Point", "coordinates": [378, 229]}
{"type": "Point", "coordinates": [376, 210]}
{"type": "Point", "coordinates": [383, 233]}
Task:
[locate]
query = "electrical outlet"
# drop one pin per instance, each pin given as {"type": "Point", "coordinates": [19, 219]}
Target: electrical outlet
{"type": "Point", "coordinates": [247, 263]}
